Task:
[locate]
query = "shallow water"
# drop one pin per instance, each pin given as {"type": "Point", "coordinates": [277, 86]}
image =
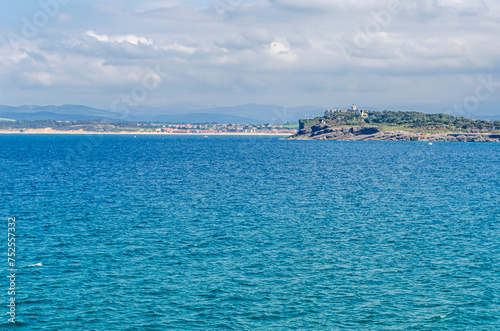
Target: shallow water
{"type": "Point", "coordinates": [251, 233]}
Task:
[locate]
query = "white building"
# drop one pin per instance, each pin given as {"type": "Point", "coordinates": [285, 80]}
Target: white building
{"type": "Point", "coordinates": [353, 109]}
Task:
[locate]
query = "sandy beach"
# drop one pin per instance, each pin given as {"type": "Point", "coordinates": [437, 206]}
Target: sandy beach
{"type": "Point", "coordinates": [51, 131]}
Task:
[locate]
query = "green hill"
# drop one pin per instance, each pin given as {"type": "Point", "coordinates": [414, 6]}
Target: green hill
{"type": "Point", "coordinates": [411, 121]}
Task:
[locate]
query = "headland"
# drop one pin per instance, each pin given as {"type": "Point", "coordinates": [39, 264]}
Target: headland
{"type": "Point", "coordinates": [354, 124]}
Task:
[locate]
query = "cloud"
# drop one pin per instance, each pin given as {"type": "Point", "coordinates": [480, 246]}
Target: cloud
{"type": "Point", "coordinates": [249, 39]}
{"type": "Point", "coordinates": [119, 39]}
{"type": "Point", "coordinates": [280, 51]}
{"type": "Point", "coordinates": [283, 51]}
{"type": "Point", "coordinates": [328, 4]}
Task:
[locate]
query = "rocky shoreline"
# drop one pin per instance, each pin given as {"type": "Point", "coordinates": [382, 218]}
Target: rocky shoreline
{"type": "Point", "coordinates": [319, 132]}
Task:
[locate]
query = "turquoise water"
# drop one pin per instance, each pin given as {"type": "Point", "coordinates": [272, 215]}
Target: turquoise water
{"type": "Point", "coordinates": [251, 233]}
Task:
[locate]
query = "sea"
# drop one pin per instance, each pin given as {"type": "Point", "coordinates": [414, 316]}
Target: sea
{"type": "Point", "coordinates": [172, 232]}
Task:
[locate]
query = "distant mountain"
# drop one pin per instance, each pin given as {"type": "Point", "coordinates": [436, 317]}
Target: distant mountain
{"type": "Point", "coordinates": [48, 116]}
{"type": "Point", "coordinates": [244, 114]}
{"type": "Point", "coordinates": [267, 113]}
{"type": "Point", "coordinates": [63, 113]}
{"type": "Point", "coordinates": [191, 113]}
{"type": "Point", "coordinates": [176, 113]}
{"type": "Point", "coordinates": [203, 118]}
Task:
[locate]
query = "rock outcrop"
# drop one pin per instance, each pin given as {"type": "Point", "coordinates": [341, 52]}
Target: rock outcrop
{"type": "Point", "coordinates": [321, 131]}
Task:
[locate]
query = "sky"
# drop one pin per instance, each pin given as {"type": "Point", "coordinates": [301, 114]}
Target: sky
{"type": "Point", "coordinates": [430, 55]}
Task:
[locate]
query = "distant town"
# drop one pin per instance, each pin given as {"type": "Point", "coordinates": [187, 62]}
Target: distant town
{"type": "Point", "coordinates": [99, 126]}
{"type": "Point", "coordinates": [219, 128]}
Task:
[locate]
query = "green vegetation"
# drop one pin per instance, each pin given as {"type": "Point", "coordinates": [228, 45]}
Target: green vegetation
{"type": "Point", "coordinates": [86, 125]}
{"type": "Point", "coordinates": [404, 121]}
{"type": "Point", "coordinates": [124, 126]}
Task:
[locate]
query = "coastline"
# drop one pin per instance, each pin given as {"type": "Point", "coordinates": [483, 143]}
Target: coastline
{"type": "Point", "coordinates": [373, 134]}
{"type": "Point", "coordinates": [50, 131]}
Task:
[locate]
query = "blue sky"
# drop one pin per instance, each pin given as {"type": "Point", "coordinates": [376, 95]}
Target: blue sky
{"type": "Point", "coordinates": [436, 55]}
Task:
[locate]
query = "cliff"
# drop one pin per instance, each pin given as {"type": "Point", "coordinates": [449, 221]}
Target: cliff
{"type": "Point", "coordinates": [324, 132]}
{"type": "Point", "coordinates": [396, 126]}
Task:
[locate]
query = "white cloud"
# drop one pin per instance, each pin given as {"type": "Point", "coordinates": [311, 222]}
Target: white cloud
{"type": "Point", "coordinates": [288, 50]}
{"type": "Point", "coordinates": [179, 48]}
{"type": "Point", "coordinates": [280, 51]}
{"type": "Point", "coordinates": [119, 39]}
{"type": "Point", "coordinates": [331, 4]}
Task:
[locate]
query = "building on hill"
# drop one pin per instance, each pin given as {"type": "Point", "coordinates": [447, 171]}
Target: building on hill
{"type": "Point", "coordinates": [354, 109]}
{"type": "Point", "coordinates": [332, 111]}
